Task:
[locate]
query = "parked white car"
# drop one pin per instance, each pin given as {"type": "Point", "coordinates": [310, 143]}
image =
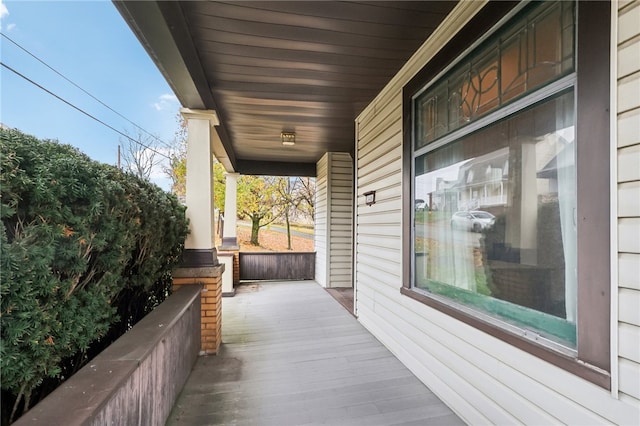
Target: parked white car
{"type": "Point", "coordinates": [474, 220]}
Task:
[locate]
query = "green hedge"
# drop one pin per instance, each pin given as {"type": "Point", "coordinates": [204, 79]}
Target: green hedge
{"type": "Point", "coordinates": [81, 241]}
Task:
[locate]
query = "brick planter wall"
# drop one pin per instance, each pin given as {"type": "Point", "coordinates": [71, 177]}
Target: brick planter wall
{"type": "Point", "coordinates": [211, 308]}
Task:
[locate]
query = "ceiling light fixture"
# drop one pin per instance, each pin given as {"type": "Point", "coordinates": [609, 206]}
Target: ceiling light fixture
{"type": "Point", "coordinates": [288, 138]}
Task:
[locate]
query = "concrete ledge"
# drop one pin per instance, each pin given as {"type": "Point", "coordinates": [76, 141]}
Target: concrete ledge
{"type": "Point", "coordinates": [198, 272]}
{"type": "Point", "coordinates": [137, 379]}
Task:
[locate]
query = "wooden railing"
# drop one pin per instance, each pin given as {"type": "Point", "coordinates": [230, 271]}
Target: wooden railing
{"type": "Point", "coordinates": [277, 265]}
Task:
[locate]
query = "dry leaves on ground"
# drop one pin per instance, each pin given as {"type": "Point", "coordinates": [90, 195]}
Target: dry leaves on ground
{"type": "Point", "coordinates": [272, 241]}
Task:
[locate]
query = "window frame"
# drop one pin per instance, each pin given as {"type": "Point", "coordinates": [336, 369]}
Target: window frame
{"type": "Point", "coordinates": [591, 360]}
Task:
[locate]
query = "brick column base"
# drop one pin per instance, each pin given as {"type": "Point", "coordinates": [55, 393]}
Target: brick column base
{"type": "Point", "coordinates": [236, 268]}
{"type": "Point", "coordinates": [211, 307]}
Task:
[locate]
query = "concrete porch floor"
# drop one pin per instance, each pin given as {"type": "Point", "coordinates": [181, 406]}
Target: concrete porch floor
{"type": "Point", "coordinates": [292, 355]}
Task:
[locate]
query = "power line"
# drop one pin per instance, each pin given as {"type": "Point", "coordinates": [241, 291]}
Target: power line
{"type": "Point", "coordinates": [83, 111]}
{"type": "Point", "coordinates": [83, 90]}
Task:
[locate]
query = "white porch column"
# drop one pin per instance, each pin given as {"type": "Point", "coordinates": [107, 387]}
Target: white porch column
{"type": "Point", "coordinates": [200, 244]}
{"type": "Point", "coordinates": [229, 235]}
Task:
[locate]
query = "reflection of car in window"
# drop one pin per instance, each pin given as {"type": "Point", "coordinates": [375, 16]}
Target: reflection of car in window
{"type": "Point", "coordinates": [420, 204]}
{"type": "Point", "coordinates": [474, 220]}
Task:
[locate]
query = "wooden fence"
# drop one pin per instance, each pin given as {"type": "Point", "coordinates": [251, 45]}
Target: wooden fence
{"type": "Point", "coordinates": [277, 265]}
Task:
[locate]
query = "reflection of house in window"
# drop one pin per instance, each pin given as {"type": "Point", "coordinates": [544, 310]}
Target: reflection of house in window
{"type": "Point", "coordinates": [482, 181]}
{"type": "Point", "coordinates": [549, 158]}
{"type": "Point", "coordinates": [445, 197]}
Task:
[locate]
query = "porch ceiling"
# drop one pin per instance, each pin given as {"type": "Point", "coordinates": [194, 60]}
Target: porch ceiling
{"type": "Point", "coordinates": [267, 67]}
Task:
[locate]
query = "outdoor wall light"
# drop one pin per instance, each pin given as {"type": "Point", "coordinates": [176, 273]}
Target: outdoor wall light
{"type": "Point", "coordinates": [370, 198]}
{"type": "Point", "coordinates": [288, 138]}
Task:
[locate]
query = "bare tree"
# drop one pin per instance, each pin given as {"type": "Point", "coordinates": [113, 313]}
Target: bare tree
{"type": "Point", "coordinates": [286, 190]}
{"type": "Point", "coordinates": [139, 153]}
{"type": "Point", "coordinates": [306, 195]}
{"type": "Point", "coordinates": [297, 195]}
{"type": "Point", "coordinates": [176, 168]}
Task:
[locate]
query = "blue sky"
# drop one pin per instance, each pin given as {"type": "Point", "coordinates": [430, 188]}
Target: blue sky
{"type": "Point", "coordinates": [90, 44]}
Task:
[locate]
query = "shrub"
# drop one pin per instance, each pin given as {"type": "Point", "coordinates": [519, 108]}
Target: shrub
{"type": "Point", "coordinates": [80, 241]}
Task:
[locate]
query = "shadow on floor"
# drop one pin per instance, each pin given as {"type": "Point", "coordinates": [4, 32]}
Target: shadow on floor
{"type": "Point", "coordinates": [344, 296]}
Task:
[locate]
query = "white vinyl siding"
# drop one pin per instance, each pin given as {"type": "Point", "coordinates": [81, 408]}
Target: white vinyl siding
{"type": "Point", "coordinates": [628, 78]}
{"type": "Point", "coordinates": [320, 227]}
{"type": "Point", "coordinates": [483, 379]}
{"type": "Point", "coordinates": [334, 218]}
{"type": "Point", "coordinates": [379, 250]}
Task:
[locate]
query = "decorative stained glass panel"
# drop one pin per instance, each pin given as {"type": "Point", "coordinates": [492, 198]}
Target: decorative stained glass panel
{"type": "Point", "coordinates": [535, 50]}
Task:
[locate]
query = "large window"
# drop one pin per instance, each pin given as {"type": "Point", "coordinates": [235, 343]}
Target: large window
{"type": "Point", "coordinates": [498, 231]}
{"type": "Point", "coordinates": [495, 155]}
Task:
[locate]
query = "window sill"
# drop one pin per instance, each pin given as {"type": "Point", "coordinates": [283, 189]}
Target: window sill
{"type": "Point", "coordinates": [561, 360]}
